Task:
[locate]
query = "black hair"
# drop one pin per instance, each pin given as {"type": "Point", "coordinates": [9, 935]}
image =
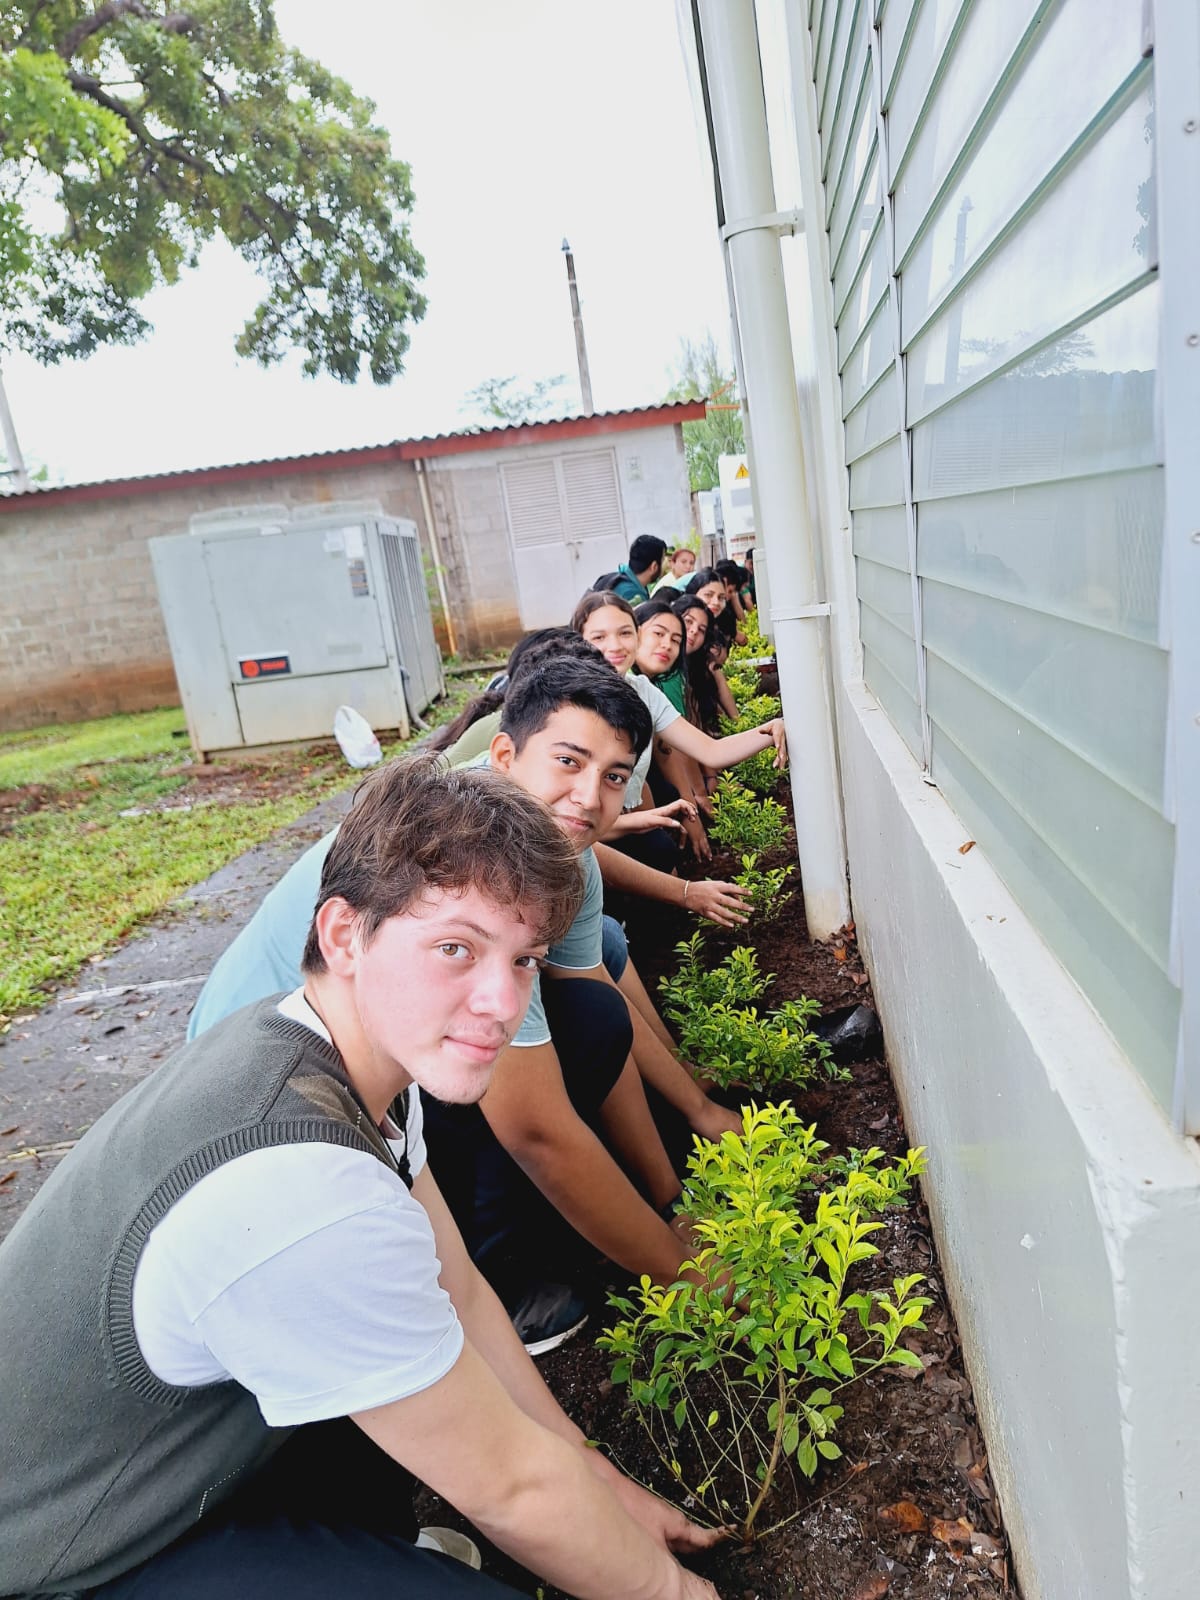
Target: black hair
{"type": "Point", "coordinates": [539, 691]}
{"type": "Point", "coordinates": [732, 573]}
{"type": "Point", "coordinates": [653, 608]}
{"type": "Point", "coordinates": [526, 653]}
{"type": "Point", "coordinates": [691, 602]}
{"type": "Point", "coordinates": [698, 579]}
{"type": "Point", "coordinates": [645, 551]}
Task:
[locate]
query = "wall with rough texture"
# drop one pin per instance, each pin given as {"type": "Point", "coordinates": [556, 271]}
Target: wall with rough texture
{"type": "Point", "coordinates": [81, 633]}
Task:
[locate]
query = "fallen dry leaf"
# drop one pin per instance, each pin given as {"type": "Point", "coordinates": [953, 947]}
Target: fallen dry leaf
{"type": "Point", "coordinates": [840, 952]}
{"type": "Point", "coordinates": [16, 1128]}
{"type": "Point", "coordinates": [963, 848]}
{"type": "Point", "coordinates": [960, 1532]}
{"type": "Point", "coordinates": [8, 1177]}
{"type": "Point", "coordinates": [982, 1544]}
{"type": "Point", "coordinates": [904, 1516]}
{"type": "Point", "coordinates": [977, 1481]}
{"type": "Point", "coordinates": [873, 1587]}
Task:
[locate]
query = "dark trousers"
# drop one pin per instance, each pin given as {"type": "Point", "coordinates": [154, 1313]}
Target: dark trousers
{"type": "Point", "coordinates": [330, 1515]}
{"type": "Point", "coordinates": [513, 1233]}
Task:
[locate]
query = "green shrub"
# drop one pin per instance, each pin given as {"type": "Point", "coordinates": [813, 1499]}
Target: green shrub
{"type": "Point", "coordinates": [734, 981]}
{"type": "Point", "coordinates": [753, 711]}
{"type": "Point", "coordinates": [766, 885]}
{"type": "Point", "coordinates": [735, 1046]}
{"type": "Point", "coordinates": [743, 821]}
{"type": "Point", "coordinates": [738, 1375]}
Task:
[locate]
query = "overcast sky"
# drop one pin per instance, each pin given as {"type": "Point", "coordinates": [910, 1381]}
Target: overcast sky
{"type": "Point", "coordinates": [522, 122]}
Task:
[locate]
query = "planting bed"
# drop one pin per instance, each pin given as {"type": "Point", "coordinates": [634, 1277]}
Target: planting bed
{"type": "Point", "coordinates": [908, 1512]}
{"type": "Point", "coordinates": [900, 1503]}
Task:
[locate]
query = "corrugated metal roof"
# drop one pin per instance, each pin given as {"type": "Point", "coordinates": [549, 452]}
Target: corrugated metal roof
{"type": "Point", "coordinates": [439, 444]}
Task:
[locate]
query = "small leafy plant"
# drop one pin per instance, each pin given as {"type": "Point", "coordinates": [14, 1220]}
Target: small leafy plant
{"type": "Point", "coordinates": [757, 644]}
{"type": "Point", "coordinates": [743, 821]}
{"type": "Point", "coordinates": [753, 710]}
{"type": "Point", "coordinates": [742, 681]}
{"type": "Point", "coordinates": [695, 986]}
{"type": "Point", "coordinates": [735, 1046]}
{"type": "Point", "coordinates": [766, 885]}
{"type": "Point", "coordinates": [736, 1376]}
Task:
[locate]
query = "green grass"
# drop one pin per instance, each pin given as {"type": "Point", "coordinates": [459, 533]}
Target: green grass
{"type": "Point", "coordinates": [76, 875]}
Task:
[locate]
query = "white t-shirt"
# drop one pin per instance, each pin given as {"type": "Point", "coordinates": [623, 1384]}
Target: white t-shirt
{"type": "Point", "coordinates": [307, 1273]}
{"type": "Point", "coordinates": [664, 714]}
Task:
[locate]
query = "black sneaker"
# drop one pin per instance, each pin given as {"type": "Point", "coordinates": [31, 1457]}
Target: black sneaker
{"type": "Point", "coordinates": [547, 1315]}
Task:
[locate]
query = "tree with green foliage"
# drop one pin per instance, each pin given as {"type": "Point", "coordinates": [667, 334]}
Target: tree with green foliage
{"type": "Point", "coordinates": [132, 133]}
{"type": "Point", "coordinates": [701, 375]}
{"type": "Point", "coordinates": [498, 402]}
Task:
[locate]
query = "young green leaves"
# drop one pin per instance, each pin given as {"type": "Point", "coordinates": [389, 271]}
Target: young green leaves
{"type": "Point", "coordinates": [738, 1373]}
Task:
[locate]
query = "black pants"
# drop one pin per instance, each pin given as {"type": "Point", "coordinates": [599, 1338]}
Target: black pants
{"type": "Point", "coordinates": [328, 1518]}
{"type": "Point", "coordinates": [513, 1233]}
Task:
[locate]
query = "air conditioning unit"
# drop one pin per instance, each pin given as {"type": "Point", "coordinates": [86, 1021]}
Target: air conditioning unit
{"type": "Point", "coordinates": [277, 615]}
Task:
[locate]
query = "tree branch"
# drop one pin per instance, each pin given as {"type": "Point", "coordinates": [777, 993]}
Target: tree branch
{"type": "Point", "coordinates": [112, 11]}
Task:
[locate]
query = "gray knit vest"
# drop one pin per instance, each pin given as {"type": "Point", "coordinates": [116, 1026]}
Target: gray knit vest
{"type": "Point", "coordinates": [101, 1463]}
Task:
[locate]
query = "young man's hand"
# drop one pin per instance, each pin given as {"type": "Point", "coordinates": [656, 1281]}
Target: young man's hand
{"type": "Point", "coordinates": [712, 1120]}
{"type": "Point", "coordinates": [663, 1522]}
{"type": "Point", "coordinates": [697, 838]}
{"type": "Point", "coordinates": [725, 903]}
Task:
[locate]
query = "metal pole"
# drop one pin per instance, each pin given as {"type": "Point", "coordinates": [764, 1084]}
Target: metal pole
{"type": "Point", "coordinates": [585, 379]}
{"type": "Point", "coordinates": [17, 471]}
{"type": "Point", "coordinates": [728, 45]}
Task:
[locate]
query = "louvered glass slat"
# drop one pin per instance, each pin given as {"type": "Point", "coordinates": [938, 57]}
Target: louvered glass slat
{"type": "Point", "coordinates": [1088, 549]}
{"type": "Point", "coordinates": [898, 705]}
{"type": "Point", "coordinates": [878, 479]}
{"type": "Point", "coordinates": [932, 30]}
{"type": "Point", "coordinates": [1098, 693]}
{"type": "Point", "coordinates": [854, 214]}
{"type": "Point", "coordinates": [1093, 226]}
{"type": "Point", "coordinates": [1123, 982]}
{"type": "Point", "coordinates": [831, 20]}
{"type": "Point", "coordinates": [875, 417]}
{"type": "Point", "coordinates": [892, 33]}
{"type": "Point", "coordinates": [850, 24]}
{"type": "Point", "coordinates": [854, 104]}
{"type": "Point", "coordinates": [869, 292]}
{"type": "Point", "coordinates": [888, 593]}
{"type": "Point", "coordinates": [881, 535]}
{"type": "Point", "coordinates": [1047, 109]}
{"type": "Point", "coordinates": [1078, 407]}
{"type": "Point", "coordinates": [870, 359]}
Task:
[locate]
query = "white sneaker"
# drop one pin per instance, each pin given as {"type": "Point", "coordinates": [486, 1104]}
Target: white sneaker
{"type": "Point", "coordinates": [448, 1542]}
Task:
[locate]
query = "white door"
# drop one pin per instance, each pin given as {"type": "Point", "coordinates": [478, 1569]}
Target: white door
{"type": "Point", "coordinates": [565, 521]}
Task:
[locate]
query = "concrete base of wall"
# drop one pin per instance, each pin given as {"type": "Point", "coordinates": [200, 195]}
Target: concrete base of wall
{"type": "Point", "coordinates": [1067, 1211]}
{"type": "Point", "coordinates": [98, 692]}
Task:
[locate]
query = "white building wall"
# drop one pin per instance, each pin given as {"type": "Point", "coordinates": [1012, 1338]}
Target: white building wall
{"type": "Point", "coordinates": [1067, 1209]}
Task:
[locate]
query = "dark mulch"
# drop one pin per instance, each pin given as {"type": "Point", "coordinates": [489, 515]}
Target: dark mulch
{"type": "Point", "coordinates": [909, 1512]}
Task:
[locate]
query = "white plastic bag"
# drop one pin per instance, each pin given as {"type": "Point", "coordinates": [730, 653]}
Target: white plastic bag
{"type": "Point", "coordinates": [356, 738]}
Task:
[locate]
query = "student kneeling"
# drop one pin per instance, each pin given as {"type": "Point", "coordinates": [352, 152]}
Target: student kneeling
{"type": "Point", "coordinates": [249, 1244]}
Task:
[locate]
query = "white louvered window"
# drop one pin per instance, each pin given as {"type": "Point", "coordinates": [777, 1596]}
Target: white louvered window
{"type": "Point", "coordinates": [992, 248]}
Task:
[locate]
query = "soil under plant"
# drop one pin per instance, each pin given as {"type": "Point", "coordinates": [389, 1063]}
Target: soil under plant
{"type": "Point", "coordinates": [909, 1511]}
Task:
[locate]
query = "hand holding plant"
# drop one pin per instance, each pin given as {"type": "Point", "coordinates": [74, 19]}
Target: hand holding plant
{"type": "Point", "coordinates": [765, 887]}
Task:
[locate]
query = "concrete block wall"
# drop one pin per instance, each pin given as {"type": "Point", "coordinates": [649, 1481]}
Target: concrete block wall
{"type": "Point", "coordinates": [468, 508]}
{"type": "Point", "coordinates": [652, 470]}
{"type": "Point", "coordinates": [81, 633]}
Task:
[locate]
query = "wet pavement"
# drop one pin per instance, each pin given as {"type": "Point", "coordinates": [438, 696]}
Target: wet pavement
{"type": "Point", "coordinates": [125, 1012]}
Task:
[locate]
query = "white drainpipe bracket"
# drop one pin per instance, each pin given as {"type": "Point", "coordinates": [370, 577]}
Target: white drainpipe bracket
{"type": "Point", "coordinates": [776, 222]}
{"type": "Point", "coordinates": [821, 609]}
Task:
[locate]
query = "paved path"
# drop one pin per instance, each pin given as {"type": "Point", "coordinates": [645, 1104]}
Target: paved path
{"type": "Point", "coordinates": [125, 1013]}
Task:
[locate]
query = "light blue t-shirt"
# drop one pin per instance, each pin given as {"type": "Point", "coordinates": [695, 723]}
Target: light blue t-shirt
{"type": "Point", "coordinates": [265, 957]}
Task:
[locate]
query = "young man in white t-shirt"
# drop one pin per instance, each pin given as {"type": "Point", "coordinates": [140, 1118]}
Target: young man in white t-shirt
{"type": "Point", "coordinates": [250, 1243]}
